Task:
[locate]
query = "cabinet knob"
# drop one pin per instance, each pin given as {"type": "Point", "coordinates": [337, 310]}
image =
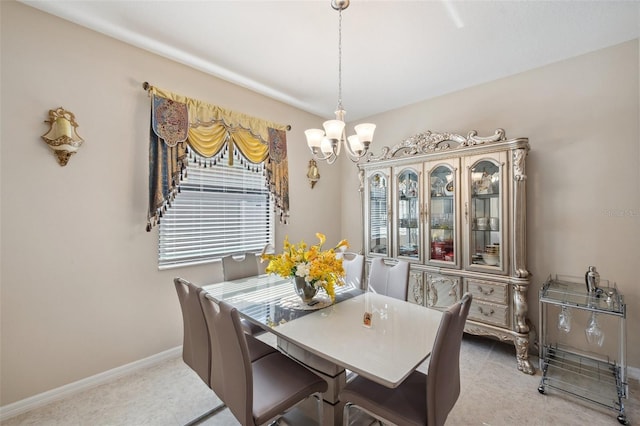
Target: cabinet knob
{"type": "Point", "coordinates": [485, 293]}
{"type": "Point", "coordinates": [486, 314]}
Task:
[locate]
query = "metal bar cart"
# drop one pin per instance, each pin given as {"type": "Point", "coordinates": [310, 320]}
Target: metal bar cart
{"type": "Point", "coordinates": [596, 379]}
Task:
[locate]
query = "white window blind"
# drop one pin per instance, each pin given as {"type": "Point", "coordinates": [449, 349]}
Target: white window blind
{"type": "Point", "coordinates": [220, 210]}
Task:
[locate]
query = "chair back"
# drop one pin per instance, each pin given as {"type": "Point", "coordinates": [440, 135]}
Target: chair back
{"type": "Point", "coordinates": [196, 348]}
{"type": "Point", "coordinates": [234, 268]}
{"type": "Point", "coordinates": [392, 281]}
{"type": "Point", "coordinates": [443, 377]}
{"type": "Point", "coordinates": [232, 377]}
{"type": "Point", "coordinates": [353, 264]}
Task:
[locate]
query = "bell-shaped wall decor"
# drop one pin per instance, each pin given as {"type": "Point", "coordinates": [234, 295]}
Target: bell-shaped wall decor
{"type": "Point", "coordinates": [62, 137]}
{"type": "Point", "coordinates": [312, 173]}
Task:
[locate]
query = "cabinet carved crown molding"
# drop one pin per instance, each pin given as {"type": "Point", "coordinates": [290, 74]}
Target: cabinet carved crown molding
{"type": "Point", "coordinates": [429, 142]}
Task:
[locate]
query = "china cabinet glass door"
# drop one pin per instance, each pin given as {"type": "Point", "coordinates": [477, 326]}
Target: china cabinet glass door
{"type": "Point", "coordinates": [485, 211]}
{"type": "Point", "coordinates": [407, 223]}
{"type": "Point", "coordinates": [442, 214]}
{"type": "Point", "coordinates": [376, 215]}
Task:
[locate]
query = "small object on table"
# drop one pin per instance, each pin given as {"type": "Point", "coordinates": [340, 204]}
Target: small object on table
{"type": "Point", "coordinates": [366, 321]}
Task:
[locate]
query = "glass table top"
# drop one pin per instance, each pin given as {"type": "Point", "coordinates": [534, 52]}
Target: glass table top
{"type": "Point", "coordinates": [270, 300]}
{"type": "Point", "coordinates": [399, 337]}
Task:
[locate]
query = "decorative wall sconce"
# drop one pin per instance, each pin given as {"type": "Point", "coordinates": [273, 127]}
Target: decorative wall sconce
{"type": "Point", "coordinates": [312, 173]}
{"type": "Point", "coordinates": [62, 137]}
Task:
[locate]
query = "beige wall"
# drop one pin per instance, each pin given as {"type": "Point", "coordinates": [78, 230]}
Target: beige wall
{"type": "Point", "coordinates": [81, 292]}
{"type": "Point", "coordinates": [80, 289]}
{"type": "Point", "coordinates": [582, 119]}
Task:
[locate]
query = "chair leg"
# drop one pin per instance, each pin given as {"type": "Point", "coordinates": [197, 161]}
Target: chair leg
{"type": "Point", "coordinates": [320, 408]}
{"type": "Point", "coordinates": [206, 415]}
{"type": "Point", "coordinates": [345, 414]}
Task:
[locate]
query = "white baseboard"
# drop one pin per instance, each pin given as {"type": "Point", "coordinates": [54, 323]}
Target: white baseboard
{"type": "Point", "coordinates": [42, 399]}
{"type": "Point", "coordinates": [633, 373]}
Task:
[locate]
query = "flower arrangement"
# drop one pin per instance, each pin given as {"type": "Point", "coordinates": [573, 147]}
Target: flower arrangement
{"type": "Point", "coordinates": [320, 268]}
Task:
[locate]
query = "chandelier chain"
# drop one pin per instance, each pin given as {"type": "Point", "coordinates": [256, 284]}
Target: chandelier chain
{"type": "Point", "coordinates": [340, 59]}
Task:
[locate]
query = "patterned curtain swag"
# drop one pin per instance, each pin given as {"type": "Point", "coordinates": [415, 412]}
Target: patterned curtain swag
{"type": "Point", "coordinates": [179, 123]}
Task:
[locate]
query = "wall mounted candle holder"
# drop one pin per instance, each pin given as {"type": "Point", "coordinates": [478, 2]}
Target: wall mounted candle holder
{"type": "Point", "coordinates": [312, 173]}
{"type": "Point", "coordinates": [62, 137]}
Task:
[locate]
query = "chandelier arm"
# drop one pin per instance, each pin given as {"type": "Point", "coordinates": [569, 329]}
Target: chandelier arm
{"type": "Point", "coordinates": [322, 157]}
{"type": "Point", "coordinates": [331, 159]}
{"type": "Point", "coordinates": [352, 154]}
{"type": "Point", "coordinates": [342, 140]}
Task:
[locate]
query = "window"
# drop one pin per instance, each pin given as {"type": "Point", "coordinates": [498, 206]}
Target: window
{"type": "Point", "coordinates": [219, 210]}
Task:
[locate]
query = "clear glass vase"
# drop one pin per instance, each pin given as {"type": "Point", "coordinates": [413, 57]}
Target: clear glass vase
{"type": "Point", "coordinates": [305, 290]}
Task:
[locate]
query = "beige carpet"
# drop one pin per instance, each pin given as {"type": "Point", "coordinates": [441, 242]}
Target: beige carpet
{"type": "Point", "coordinates": [493, 392]}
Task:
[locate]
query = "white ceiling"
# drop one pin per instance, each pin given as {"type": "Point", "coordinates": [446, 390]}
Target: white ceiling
{"type": "Point", "coordinates": [394, 52]}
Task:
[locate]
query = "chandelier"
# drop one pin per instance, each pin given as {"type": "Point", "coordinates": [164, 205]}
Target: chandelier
{"type": "Point", "coordinates": [325, 144]}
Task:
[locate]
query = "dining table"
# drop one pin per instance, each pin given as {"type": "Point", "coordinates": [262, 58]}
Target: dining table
{"type": "Point", "coordinates": [360, 332]}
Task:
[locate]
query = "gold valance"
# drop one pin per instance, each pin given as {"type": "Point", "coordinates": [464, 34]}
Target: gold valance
{"type": "Point", "coordinates": [201, 113]}
{"type": "Point", "coordinates": [178, 122]}
{"type": "Point", "coordinates": [209, 140]}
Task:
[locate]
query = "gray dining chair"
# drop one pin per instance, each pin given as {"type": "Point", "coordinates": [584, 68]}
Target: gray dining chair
{"type": "Point", "coordinates": [256, 392]}
{"type": "Point", "coordinates": [353, 264]}
{"type": "Point", "coordinates": [234, 268]}
{"type": "Point", "coordinates": [420, 399]}
{"type": "Point", "coordinates": [392, 281]}
{"type": "Point", "coordinates": [196, 348]}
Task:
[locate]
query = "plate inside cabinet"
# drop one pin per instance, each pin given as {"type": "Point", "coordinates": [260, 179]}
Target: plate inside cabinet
{"type": "Point", "coordinates": [448, 189]}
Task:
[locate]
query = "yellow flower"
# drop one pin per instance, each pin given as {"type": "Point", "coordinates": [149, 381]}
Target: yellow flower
{"type": "Point", "coordinates": [321, 268]}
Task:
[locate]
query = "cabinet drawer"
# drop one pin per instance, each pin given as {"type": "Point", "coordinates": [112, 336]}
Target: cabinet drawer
{"type": "Point", "coordinates": [489, 291]}
{"type": "Point", "coordinates": [489, 313]}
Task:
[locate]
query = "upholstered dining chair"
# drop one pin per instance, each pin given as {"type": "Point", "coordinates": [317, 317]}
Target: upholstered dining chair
{"type": "Point", "coordinates": [256, 392]}
{"type": "Point", "coordinates": [392, 281]}
{"type": "Point", "coordinates": [353, 264]}
{"type": "Point", "coordinates": [234, 268]}
{"type": "Point", "coordinates": [421, 399]}
{"type": "Point", "coordinates": [196, 344]}
{"type": "Point", "coordinates": [196, 349]}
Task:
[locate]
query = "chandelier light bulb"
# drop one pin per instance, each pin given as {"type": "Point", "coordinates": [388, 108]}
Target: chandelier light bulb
{"type": "Point", "coordinates": [314, 137]}
{"type": "Point", "coordinates": [333, 129]}
{"type": "Point", "coordinates": [365, 131]}
{"type": "Point", "coordinates": [355, 144]}
{"type": "Point", "coordinates": [326, 146]}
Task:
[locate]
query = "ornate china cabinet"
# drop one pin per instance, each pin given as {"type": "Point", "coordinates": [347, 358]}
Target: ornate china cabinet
{"type": "Point", "coordinates": [455, 208]}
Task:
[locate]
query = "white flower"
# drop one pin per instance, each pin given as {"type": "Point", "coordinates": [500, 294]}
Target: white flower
{"type": "Point", "coordinates": [302, 270]}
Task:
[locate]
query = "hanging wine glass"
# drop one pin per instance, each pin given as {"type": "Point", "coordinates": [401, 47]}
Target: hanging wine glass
{"type": "Point", "coordinates": [564, 320]}
{"type": "Point", "coordinates": [593, 331]}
